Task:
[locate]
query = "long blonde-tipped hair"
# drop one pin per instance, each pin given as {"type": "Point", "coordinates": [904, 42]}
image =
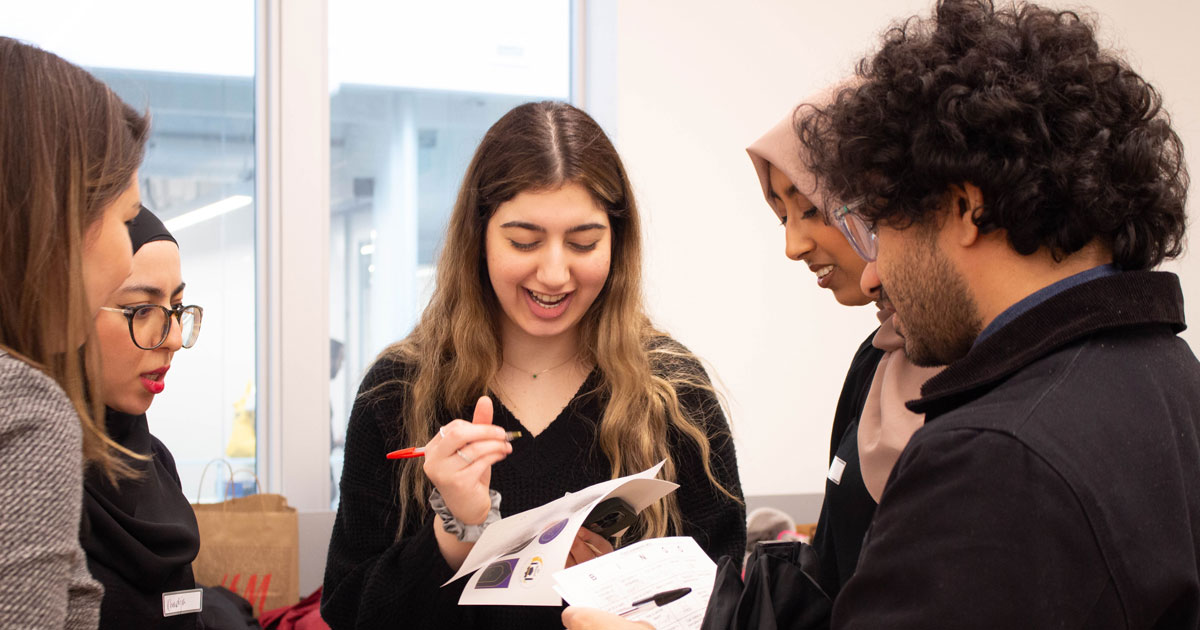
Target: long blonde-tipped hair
{"type": "Point", "coordinates": [69, 147]}
{"type": "Point", "coordinates": [454, 352]}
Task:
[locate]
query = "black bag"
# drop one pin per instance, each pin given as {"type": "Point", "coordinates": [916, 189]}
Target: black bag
{"type": "Point", "coordinates": [780, 591]}
{"type": "Point", "coordinates": [226, 610]}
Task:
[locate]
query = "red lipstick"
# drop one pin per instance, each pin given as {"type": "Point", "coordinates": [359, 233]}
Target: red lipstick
{"type": "Point", "coordinates": [154, 381]}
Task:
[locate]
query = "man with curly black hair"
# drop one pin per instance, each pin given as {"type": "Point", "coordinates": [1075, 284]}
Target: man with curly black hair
{"type": "Point", "coordinates": [1016, 184]}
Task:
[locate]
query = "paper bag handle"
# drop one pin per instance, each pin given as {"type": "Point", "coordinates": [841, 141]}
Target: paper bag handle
{"type": "Point", "coordinates": [232, 473]}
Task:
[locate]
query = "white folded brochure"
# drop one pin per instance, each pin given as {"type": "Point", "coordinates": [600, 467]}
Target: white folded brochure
{"type": "Point", "coordinates": [514, 558]}
{"type": "Point", "coordinates": [617, 581]}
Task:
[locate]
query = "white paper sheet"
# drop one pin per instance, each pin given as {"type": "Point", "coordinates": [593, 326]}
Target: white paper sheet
{"type": "Point", "coordinates": [614, 581]}
{"type": "Point", "coordinates": [514, 559]}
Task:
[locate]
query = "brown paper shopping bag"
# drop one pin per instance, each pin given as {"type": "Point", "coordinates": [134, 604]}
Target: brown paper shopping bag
{"type": "Point", "coordinates": [251, 546]}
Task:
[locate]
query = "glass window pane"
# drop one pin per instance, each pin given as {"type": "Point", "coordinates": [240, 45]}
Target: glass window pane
{"type": "Point", "coordinates": [414, 85]}
{"type": "Point", "coordinates": [192, 67]}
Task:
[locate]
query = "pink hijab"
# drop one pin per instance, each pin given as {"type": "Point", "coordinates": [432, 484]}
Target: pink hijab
{"type": "Point", "coordinates": [781, 146]}
{"type": "Point", "coordinates": [885, 425]}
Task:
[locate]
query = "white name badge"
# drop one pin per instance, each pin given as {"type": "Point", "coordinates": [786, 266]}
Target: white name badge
{"type": "Point", "coordinates": [835, 470]}
{"type": "Point", "coordinates": [183, 602]}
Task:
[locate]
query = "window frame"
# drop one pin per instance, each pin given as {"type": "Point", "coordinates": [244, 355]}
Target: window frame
{"type": "Point", "coordinates": [292, 251]}
{"type": "Point", "coordinates": [292, 126]}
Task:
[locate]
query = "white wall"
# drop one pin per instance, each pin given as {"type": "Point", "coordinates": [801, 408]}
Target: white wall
{"type": "Point", "coordinates": [698, 80]}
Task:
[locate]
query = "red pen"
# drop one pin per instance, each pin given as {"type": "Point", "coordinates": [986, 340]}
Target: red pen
{"type": "Point", "coordinates": [419, 451]}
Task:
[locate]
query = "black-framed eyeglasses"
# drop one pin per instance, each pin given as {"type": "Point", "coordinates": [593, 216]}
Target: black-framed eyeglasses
{"type": "Point", "coordinates": [149, 324]}
{"type": "Point", "coordinates": [856, 230]}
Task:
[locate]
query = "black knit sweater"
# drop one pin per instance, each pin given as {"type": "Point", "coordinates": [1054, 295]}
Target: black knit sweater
{"type": "Point", "coordinates": [374, 580]}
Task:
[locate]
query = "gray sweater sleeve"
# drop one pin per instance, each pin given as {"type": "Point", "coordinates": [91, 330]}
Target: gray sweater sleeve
{"type": "Point", "coordinates": [45, 579]}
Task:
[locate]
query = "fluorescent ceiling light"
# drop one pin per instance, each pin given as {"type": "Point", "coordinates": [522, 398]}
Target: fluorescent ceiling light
{"type": "Point", "coordinates": [204, 213]}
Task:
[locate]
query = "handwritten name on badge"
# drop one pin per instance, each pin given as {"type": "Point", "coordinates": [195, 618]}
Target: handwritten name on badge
{"type": "Point", "coordinates": [183, 602]}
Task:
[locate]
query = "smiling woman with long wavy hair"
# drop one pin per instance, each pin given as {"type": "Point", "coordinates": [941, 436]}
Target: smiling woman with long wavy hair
{"type": "Point", "coordinates": [537, 322]}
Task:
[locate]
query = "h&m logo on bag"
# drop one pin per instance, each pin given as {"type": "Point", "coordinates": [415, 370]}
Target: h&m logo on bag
{"type": "Point", "coordinates": [251, 582]}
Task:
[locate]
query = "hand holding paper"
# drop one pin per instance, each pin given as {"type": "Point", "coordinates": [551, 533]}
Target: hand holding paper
{"type": "Point", "coordinates": [587, 546]}
{"type": "Point", "coordinates": [576, 618]}
{"type": "Point", "coordinates": [618, 582]}
{"type": "Point", "coordinates": [514, 559]}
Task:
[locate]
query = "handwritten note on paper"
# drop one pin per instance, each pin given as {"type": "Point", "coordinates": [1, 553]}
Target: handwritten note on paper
{"type": "Point", "coordinates": [613, 582]}
{"type": "Point", "coordinates": [515, 557]}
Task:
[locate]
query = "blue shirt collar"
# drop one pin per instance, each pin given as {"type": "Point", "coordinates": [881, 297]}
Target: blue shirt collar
{"type": "Point", "coordinates": [1043, 294]}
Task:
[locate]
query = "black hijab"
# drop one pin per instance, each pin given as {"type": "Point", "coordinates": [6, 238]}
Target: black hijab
{"type": "Point", "coordinates": [140, 535]}
{"type": "Point", "coordinates": [146, 228]}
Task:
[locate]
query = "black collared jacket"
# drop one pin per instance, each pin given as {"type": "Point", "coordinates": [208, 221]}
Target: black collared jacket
{"type": "Point", "coordinates": [1056, 482]}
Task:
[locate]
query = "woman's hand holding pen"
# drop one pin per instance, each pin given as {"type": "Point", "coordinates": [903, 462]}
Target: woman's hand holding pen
{"type": "Point", "coordinates": [458, 461]}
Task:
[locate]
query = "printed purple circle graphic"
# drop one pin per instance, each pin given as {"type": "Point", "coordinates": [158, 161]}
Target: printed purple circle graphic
{"type": "Point", "coordinates": [550, 533]}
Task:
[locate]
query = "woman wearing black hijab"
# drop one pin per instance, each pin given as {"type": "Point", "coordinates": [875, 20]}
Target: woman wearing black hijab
{"type": "Point", "coordinates": [140, 535]}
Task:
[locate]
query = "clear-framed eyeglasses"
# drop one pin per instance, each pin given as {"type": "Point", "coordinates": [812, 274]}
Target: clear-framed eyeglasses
{"type": "Point", "coordinates": [856, 230]}
{"type": "Point", "coordinates": [150, 324]}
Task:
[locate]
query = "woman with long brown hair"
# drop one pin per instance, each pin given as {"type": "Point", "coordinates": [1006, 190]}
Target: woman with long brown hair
{"type": "Point", "coordinates": [69, 155]}
{"type": "Point", "coordinates": [537, 321]}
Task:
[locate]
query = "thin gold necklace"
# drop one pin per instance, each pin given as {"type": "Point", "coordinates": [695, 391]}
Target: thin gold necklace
{"type": "Point", "coordinates": [537, 374]}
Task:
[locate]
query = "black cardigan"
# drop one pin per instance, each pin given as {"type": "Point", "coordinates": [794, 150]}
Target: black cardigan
{"type": "Point", "coordinates": [374, 580]}
{"type": "Point", "coordinates": [1056, 482]}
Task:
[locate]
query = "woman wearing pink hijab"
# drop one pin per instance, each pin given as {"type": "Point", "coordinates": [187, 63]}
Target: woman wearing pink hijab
{"type": "Point", "coordinates": [871, 424]}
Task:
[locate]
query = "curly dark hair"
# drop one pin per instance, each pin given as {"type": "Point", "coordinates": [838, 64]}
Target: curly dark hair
{"type": "Point", "coordinates": [1066, 142]}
